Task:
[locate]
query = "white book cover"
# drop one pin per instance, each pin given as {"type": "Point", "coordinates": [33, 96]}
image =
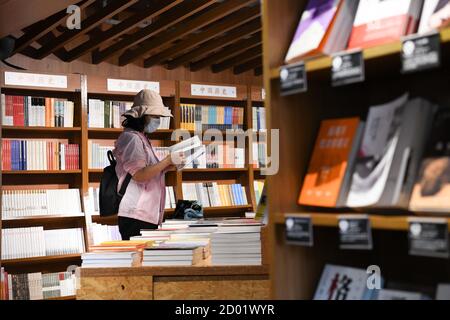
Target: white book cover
{"type": "Point", "coordinates": [342, 283]}
{"type": "Point", "coordinates": [435, 14]}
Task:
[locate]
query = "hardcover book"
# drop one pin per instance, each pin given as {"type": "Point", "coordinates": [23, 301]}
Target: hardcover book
{"type": "Point", "coordinates": [326, 181]}
{"type": "Point", "coordinates": [435, 15]}
{"type": "Point", "coordinates": [432, 189]}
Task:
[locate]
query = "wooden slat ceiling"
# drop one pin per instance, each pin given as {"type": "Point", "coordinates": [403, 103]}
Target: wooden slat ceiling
{"type": "Point", "coordinates": [198, 34]}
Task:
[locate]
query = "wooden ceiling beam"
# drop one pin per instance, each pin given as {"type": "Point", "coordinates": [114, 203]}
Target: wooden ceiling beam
{"type": "Point", "coordinates": [166, 20]}
{"type": "Point", "coordinates": [41, 28]}
{"type": "Point", "coordinates": [227, 52]}
{"type": "Point", "coordinates": [215, 45]}
{"type": "Point", "coordinates": [221, 10]}
{"type": "Point", "coordinates": [251, 64]}
{"type": "Point", "coordinates": [237, 59]}
{"type": "Point", "coordinates": [87, 24]}
{"type": "Point", "coordinates": [230, 22]}
{"type": "Point", "coordinates": [121, 28]}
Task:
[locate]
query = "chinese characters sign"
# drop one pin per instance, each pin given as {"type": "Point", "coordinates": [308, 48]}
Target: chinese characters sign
{"type": "Point", "coordinates": [131, 85]}
{"type": "Point", "coordinates": [35, 80]}
{"type": "Point", "coordinates": [213, 91]}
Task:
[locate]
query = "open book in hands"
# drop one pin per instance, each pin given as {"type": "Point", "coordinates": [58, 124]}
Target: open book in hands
{"type": "Point", "coordinates": [192, 149]}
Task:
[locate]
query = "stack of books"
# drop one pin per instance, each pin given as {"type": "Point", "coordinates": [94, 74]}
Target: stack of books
{"type": "Point", "coordinates": [172, 255]}
{"type": "Point", "coordinates": [36, 111]}
{"type": "Point", "coordinates": [212, 194]}
{"type": "Point", "coordinates": [97, 153]}
{"type": "Point", "coordinates": [40, 202]}
{"type": "Point", "coordinates": [37, 154]}
{"type": "Point", "coordinates": [200, 118]}
{"type": "Point", "coordinates": [115, 254]}
{"type": "Point", "coordinates": [101, 233]}
{"type": "Point", "coordinates": [236, 244]}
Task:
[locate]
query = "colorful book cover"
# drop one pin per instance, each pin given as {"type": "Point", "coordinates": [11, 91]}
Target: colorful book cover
{"type": "Point", "coordinates": [343, 283]}
{"type": "Point", "coordinates": [328, 165]}
{"type": "Point", "coordinates": [383, 21]}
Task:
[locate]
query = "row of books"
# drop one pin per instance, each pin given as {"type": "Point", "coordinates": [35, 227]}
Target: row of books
{"type": "Point", "coordinates": [34, 154]}
{"type": "Point", "coordinates": [97, 153]}
{"type": "Point", "coordinates": [198, 118]}
{"type": "Point", "coordinates": [18, 243]}
{"type": "Point", "coordinates": [259, 154]}
{"type": "Point", "coordinates": [398, 158]}
{"type": "Point", "coordinates": [259, 119]}
{"type": "Point", "coordinates": [332, 26]}
{"type": "Point", "coordinates": [212, 194]}
{"type": "Point", "coordinates": [348, 283]}
{"type": "Point", "coordinates": [108, 114]}
{"type": "Point", "coordinates": [40, 202]}
{"type": "Point", "coordinates": [36, 111]}
{"type": "Point", "coordinates": [37, 285]}
{"type": "Point", "coordinates": [111, 254]}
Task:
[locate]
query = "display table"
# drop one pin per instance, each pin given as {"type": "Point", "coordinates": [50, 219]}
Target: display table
{"type": "Point", "coordinates": [183, 283]}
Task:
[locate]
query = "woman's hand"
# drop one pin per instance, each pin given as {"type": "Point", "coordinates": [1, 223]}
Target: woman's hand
{"type": "Point", "coordinates": [177, 159]}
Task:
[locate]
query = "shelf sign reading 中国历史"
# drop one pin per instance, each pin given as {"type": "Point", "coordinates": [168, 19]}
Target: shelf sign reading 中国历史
{"type": "Point", "coordinates": [347, 68]}
{"type": "Point", "coordinates": [299, 230]}
{"type": "Point", "coordinates": [26, 79]}
{"type": "Point", "coordinates": [131, 85]}
{"type": "Point", "coordinates": [293, 79]}
{"type": "Point", "coordinates": [421, 52]}
{"type": "Point", "coordinates": [428, 237]}
{"type": "Point", "coordinates": [213, 91]}
{"type": "Point", "coordinates": [355, 232]}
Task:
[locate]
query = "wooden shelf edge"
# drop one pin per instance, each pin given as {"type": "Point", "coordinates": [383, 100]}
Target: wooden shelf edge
{"type": "Point", "coordinates": [74, 297]}
{"type": "Point", "coordinates": [44, 217]}
{"type": "Point", "coordinates": [379, 222]}
{"type": "Point", "coordinates": [50, 129]}
{"type": "Point", "coordinates": [215, 170]}
{"type": "Point", "coordinates": [43, 259]}
{"type": "Point", "coordinates": [324, 62]}
{"type": "Point", "coordinates": [41, 172]}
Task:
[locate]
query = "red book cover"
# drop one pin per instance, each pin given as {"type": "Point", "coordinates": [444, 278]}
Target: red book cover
{"type": "Point", "coordinates": [78, 157]}
{"type": "Point", "coordinates": [9, 109]}
{"type": "Point", "coordinates": [18, 110]}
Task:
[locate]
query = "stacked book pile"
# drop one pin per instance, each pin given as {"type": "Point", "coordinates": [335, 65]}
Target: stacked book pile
{"type": "Point", "coordinates": [236, 244]}
{"type": "Point", "coordinates": [115, 254]}
{"type": "Point", "coordinates": [168, 254]}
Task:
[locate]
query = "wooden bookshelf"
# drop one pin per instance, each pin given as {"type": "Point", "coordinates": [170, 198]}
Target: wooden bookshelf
{"type": "Point", "coordinates": [41, 260]}
{"type": "Point", "coordinates": [378, 52]}
{"type": "Point", "coordinates": [63, 298]}
{"type": "Point", "coordinates": [295, 270]}
{"type": "Point", "coordinates": [33, 172]}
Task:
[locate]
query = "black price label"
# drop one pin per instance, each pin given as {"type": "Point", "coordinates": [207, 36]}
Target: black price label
{"type": "Point", "coordinates": [355, 232]}
{"type": "Point", "coordinates": [299, 230]}
{"type": "Point", "coordinates": [421, 53]}
{"type": "Point", "coordinates": [347, 68]}
{"type": "Point", "coordinates": [428, 238]}
{"type": "Point", "coordinates": [293, 79]}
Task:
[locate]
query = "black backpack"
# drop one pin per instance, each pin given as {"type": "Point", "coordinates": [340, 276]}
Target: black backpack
{"type": "Point", "coordinates": [109, 198]}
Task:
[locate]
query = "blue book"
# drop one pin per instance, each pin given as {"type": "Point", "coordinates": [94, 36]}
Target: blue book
{"type": "Point", "coordinates": [14, 155]}
{"type": "Point", "coordinates": [24, 155]}
{"type": "Point", "coordinates": [236, 197]}
{"type": "Point", "coordinates": [258, 117]}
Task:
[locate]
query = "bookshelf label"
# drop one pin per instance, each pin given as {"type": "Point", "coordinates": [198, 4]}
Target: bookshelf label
{"type": "Point", "coordinates": [428, 237]}
{"type": "Point", "coordinates": [293, 79]}
{"type": "Point", "coordinates": [299, 230]}
{"type": "Point", "coordinates": [347, 68]}
{"type": "Point", "coordinates": [213, 91]}
{"type": "Point", "coordinates": [355, 232]}
{"type": "Point", "coordinates": [120, 85]}
{"type": "Point", "coordinates": [25, 79]}
{"type": "Point", "coordinates": [421, 52]}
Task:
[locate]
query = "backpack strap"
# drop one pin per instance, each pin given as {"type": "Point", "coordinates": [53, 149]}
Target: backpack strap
{"type": "Point", "coordinates": [124, 185]}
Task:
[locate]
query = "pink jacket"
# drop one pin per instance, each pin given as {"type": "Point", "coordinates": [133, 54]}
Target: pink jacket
{"type": "Point", "coordinates": [142, 200]}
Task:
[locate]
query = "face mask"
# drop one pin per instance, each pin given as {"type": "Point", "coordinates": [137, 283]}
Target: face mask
{"type": "Point", "coordinates": [153, 125]}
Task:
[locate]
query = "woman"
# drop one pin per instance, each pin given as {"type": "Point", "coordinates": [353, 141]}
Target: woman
{"type": "Point", "coordinates": [142, 206]}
